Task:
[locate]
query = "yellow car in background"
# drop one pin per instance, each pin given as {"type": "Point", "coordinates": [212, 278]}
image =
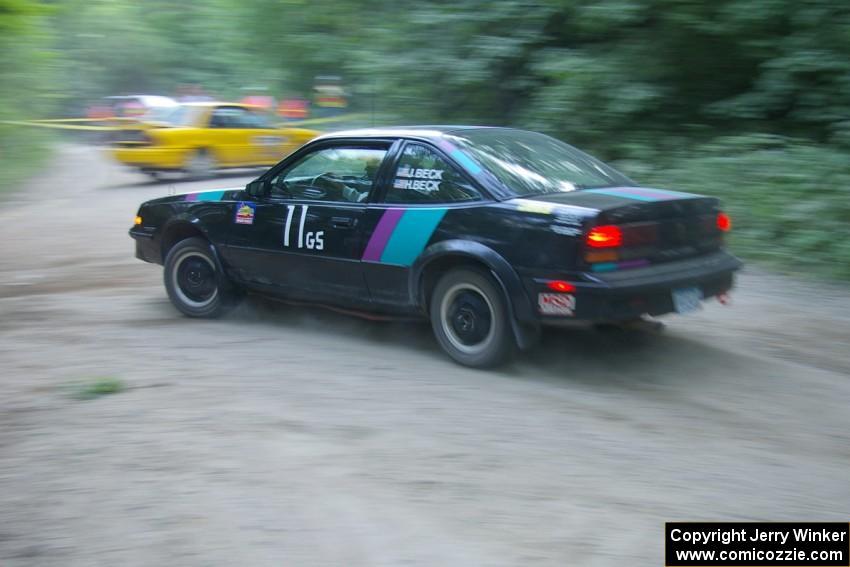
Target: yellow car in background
{"type": "Point", "coordinates": [200, 137]}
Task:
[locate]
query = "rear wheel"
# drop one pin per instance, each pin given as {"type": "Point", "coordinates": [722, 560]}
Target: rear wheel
{"type": "Point", "coordinates": [193, 281]}
{"type": "Point", "coordinates": [200, 165]}
{"type": "Point", "coordinates": [470, 318]}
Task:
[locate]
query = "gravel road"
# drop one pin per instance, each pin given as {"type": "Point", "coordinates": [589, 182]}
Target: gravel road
{"type": "Point", "coordinates": [291, 436]}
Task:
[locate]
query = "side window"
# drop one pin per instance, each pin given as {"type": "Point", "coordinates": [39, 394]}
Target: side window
{"type": "Point", "coordinates": [424, 177]}
{"type": "Point", "coordinates": [331, 174]}
{"type": "Point", "coordinates": [236, 117]}
{"type": "Point", "coordinates": [254, 119]}
{"type": "Point", "coordinates": [223, 117]}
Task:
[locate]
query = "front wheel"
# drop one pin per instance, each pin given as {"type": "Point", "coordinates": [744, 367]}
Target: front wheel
{"type": "Point", "coordinates": [193, 282]}
{"type": "Point", "coordinates": [469, 317]}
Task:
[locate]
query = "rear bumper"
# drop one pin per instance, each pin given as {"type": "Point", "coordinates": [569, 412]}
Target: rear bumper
{"type": "Point", "coordinates": [672, 274]}
{"type": "Point", "coordinates": [151, 157]}
{"type": "Point", "coordinates": [619, 296]}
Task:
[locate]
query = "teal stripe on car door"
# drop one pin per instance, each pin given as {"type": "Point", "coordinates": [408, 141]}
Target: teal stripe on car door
{"type": "Point", "coordinates": [410, 236]}
{"type": "Point", "coordinates": [210, 196]}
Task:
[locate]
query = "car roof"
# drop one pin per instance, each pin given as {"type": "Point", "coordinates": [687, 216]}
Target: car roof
{"type": "Point", "coordinates": [214, 103]}
{"type": "Point", "coordinates": [427, 132]}
{"type": "Point", "coordinates": [147, 100]}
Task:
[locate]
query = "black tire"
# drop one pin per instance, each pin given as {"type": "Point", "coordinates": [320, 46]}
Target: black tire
{"type": "Point", "coordinates": [470, 318]}
{"type": "Point", "coordinates": [193, 281]}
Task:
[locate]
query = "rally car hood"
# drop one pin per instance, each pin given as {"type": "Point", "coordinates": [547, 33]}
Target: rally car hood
{"type": "Point", "coordinates": [197, 196]}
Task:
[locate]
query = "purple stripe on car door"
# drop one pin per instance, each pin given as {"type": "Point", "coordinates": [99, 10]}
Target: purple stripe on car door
{"type": "Point", "coordinates": [382, 234]}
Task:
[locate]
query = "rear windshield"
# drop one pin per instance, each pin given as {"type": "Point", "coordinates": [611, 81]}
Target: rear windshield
{"type": "Point", "coordinates": [529, 163]}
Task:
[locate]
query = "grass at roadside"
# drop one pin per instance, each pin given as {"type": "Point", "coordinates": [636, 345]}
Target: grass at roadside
{"type": "Point", "coordinates": [789, 200]}
{"type": "Point", "coordinates": [92, 388]}
{"type": "Point", "coordinates": [22, 153]}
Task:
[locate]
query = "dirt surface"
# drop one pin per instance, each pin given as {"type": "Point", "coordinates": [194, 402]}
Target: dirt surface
{"type": "Point", "coordinates": [289, 436]}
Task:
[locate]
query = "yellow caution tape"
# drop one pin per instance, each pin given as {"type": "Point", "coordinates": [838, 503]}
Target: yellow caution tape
{"type": "Point", "coordinates": [113, 119]}
{"type": "Point", "coordinates": [54, 125]}
{"type": "Point", "coordinates": [64, 123]}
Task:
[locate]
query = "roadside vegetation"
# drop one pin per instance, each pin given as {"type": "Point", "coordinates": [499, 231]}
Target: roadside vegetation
{"type": "Point", "coordinates": [789, 198]}
{"type": "Point", "coordinates": [748, 100]}
{"type": "Point", "coordinates": [26, 87]}
{"type": "Point", "coordinates": [20, 156]}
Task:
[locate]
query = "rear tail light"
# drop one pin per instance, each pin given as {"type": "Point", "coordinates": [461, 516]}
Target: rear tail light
{"type": "Point", "coordinates": [605, 236]}
{"type": "Point", "coordinates": [724, 222]}
{"type": "Point", "coordinates": [561, 286]}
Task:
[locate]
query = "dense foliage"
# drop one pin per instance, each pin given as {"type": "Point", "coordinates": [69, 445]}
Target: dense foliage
{"type": "Point", "coordinates": [26, 83]}
{"type": "Point", "coordinates": [745, 99]}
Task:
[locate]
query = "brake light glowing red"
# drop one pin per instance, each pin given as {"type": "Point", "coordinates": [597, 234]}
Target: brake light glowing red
{"type": "Point", "coordinates": [724, 222]}
{"type": "Point", "coordinates": [561, 286]}
{"type": "Point", "coordinates": [605, 236]}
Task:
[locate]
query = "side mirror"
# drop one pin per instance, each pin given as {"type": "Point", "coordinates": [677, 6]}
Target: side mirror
{"type": "Point", "coordinates": [257, 188]}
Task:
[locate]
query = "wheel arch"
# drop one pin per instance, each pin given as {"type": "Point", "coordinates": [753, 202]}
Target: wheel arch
{"type": "Point", "coordinates": [177, 229]}
{"type": "Point", "coordinates": [449, 254]}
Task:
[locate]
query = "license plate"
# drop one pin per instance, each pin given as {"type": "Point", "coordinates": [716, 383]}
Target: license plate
{"type": "Point", "coordinates": [687, 299]}
{"type": "Point", "coordinates": [562, 304]}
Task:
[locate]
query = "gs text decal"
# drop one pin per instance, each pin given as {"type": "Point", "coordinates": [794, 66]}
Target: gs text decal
{"type": "Point", "coordinates": [309, 240]}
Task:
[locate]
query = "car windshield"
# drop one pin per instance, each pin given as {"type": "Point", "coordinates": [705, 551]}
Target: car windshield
{"type": "Point", "coordinates": [529, 163]}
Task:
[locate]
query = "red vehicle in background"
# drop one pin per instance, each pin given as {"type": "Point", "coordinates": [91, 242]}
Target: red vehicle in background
{"type": "Point", "coordinates": [128, 106]}
{"type": "Point", "coordinates": [293, 108]}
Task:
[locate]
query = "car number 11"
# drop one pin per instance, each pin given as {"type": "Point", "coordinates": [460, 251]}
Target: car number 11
{"type": "Point", "coordinates": [309, 240]}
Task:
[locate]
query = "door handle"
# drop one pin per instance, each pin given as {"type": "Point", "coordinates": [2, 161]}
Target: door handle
{"type": "Point", "coordinates": [343, 222]}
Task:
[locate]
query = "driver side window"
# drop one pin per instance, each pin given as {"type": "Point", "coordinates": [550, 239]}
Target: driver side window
{"type": "Point", "coordinates": [339, 174]}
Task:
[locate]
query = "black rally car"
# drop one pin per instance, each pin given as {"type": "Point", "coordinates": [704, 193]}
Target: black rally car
{"type": "Point", "coordinates": [490, 233]}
